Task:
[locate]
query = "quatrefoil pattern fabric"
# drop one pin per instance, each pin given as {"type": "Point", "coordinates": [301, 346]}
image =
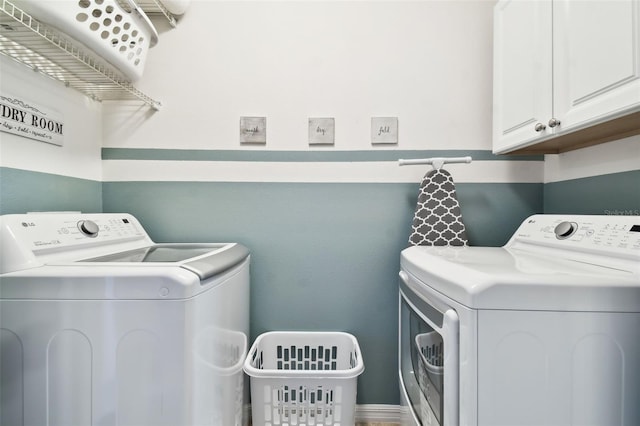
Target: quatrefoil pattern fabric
{"type": "Point", "coordinates": [438, 220]}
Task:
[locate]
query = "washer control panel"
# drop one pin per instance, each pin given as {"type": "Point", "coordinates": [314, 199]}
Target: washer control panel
{"type": "Point", "coordinates": [67, 230]}
{"type": "Point", "coordinates": [35, 239]}
{"type": "Point", "coordinates": [88, 228]}
{"type": "Point", "coordinates": [611, 234]}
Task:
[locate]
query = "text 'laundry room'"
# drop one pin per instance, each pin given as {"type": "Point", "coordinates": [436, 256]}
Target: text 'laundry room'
{"type": "Point", "coordinates": [346, 213]}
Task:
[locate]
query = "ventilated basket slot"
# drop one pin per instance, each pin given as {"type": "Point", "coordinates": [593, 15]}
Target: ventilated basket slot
{"type": "Point", "coordinates": [227, 354]}
{"type": "Point", "coordinates": [433, 354]}
{"type": "Point", "coordinates": [302, 405]}
{"type": "Point", "coordinates": [307, 358]}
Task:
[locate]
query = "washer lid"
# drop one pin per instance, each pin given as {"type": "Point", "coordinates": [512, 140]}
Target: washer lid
{"type": "Point", "coordinates": [205, 260]}
{"type": "Point", "coordinates": [31, 241]}
{"type": "Point", "coordinates": [502, 278]}
{"type": "Point", "coordinates": [119, 276]}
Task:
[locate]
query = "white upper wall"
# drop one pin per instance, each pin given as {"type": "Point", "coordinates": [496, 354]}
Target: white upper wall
{"type": "Point", "coordinates": [426, 62]}
{"type": "Point", "coordinates": [82, 118]}
{"type": "Point", "coordinates": [429, 63]}
{"type": "Point", "coordinates": [613, 157]}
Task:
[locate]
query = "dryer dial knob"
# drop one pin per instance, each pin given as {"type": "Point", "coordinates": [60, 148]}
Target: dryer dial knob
{"type": "Point", "coordinates": [565, 230]}
{"type": "Point", "coordinates": [88, 228]}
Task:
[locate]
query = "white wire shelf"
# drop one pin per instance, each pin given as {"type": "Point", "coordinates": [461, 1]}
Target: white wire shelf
{"type": "Point", "coordinates": [45, 50]}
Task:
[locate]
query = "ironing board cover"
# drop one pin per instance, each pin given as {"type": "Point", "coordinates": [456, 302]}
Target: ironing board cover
{"type": "Point", "coordinates": [437, 220]}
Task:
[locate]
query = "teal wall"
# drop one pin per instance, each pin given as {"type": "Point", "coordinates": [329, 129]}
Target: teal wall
{"type": "Point", "coordinates": [24, 191]}
{"type": "Point", "coordinates": [324, 256]}
{"type": "Point", "coordinates": [617, 194]}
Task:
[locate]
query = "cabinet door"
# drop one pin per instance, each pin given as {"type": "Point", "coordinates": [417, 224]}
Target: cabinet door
{"type": "Point", "coordinates": [596, 54]}
{"type": "Point", "coordinates": [522, 86]}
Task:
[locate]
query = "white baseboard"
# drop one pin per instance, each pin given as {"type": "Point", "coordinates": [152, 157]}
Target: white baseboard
{"type": "Point", "coordinates": [377, 413]}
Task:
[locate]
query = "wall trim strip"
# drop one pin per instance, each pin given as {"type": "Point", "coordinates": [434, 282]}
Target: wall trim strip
{"type": "Point", "coordinates": [315, 172]}
{"type": "Point", "coordinates": [149, 154]}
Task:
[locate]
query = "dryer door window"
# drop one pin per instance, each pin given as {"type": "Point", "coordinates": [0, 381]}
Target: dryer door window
{"type": "Point", "coordinates": [429, 354]}
{"type": "Point", "coordinates": [422, 355]}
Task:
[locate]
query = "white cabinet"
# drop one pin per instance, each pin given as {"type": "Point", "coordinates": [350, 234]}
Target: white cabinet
{"type": "Point", "coordinates": [562, 66]}
{"type": "Point", "coordinates": [522, 72]}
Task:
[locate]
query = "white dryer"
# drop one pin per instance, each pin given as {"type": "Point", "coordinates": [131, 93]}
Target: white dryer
{"type": "Point", "coordinates": [544, 331]}
{"type": "Point", "coordinates": [101, 326]}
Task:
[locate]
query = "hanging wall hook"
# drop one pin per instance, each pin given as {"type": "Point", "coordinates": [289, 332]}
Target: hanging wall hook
{"type": "Point", "coordinates": [436, 162]}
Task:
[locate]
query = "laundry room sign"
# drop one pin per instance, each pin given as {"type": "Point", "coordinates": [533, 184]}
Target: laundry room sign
{"type": "Point", "coordinates": [27, 119]}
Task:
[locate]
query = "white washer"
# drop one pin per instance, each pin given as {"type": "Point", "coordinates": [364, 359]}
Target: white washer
{"type": "Point", "coordinates": [101, 326]}
{"type": "Point", "coordinates": [543, 331]}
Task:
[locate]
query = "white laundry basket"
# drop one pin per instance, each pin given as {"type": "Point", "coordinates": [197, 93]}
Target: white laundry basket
{"type": "Point", "coordinates": [304, 378]}
{"type": "Point", "coordinates": [121, 37]}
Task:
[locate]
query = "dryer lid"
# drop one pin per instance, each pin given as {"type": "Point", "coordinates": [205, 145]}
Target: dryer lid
{"type": "Point", "coordinates": [500, 278]}
{"type": "Point", "coordinates": [552, 262]}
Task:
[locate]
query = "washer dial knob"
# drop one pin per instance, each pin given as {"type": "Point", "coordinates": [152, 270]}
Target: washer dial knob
{"type": "Point", "coordinates": [88, 228]}
{"type": "Point", "coordinates": [565, 230]}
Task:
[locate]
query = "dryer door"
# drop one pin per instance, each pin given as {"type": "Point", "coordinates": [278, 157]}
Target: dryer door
{"type": "Point", "coordinates": [428, 359]}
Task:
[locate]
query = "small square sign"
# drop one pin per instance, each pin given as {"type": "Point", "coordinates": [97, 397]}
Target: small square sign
{"type": "Point", "coordinates": [384, 130]}
{"type": "Point", "coordinates": [321, 131]}
{"type": "Point", "coordinates": [253, 130]}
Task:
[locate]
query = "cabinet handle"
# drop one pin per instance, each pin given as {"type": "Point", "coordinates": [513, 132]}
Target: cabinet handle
{"type": "Point", "coordinates": [554, 122]}
{"type": "Point", "coordinates": [540, 127]}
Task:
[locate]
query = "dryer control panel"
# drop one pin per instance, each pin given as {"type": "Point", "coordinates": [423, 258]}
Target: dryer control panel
{"type": "Point", "coordinates": [616, 236]}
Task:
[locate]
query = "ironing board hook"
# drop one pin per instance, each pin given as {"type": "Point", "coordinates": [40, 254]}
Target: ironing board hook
{"type": "Point", "coordinates": [436, 162]}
